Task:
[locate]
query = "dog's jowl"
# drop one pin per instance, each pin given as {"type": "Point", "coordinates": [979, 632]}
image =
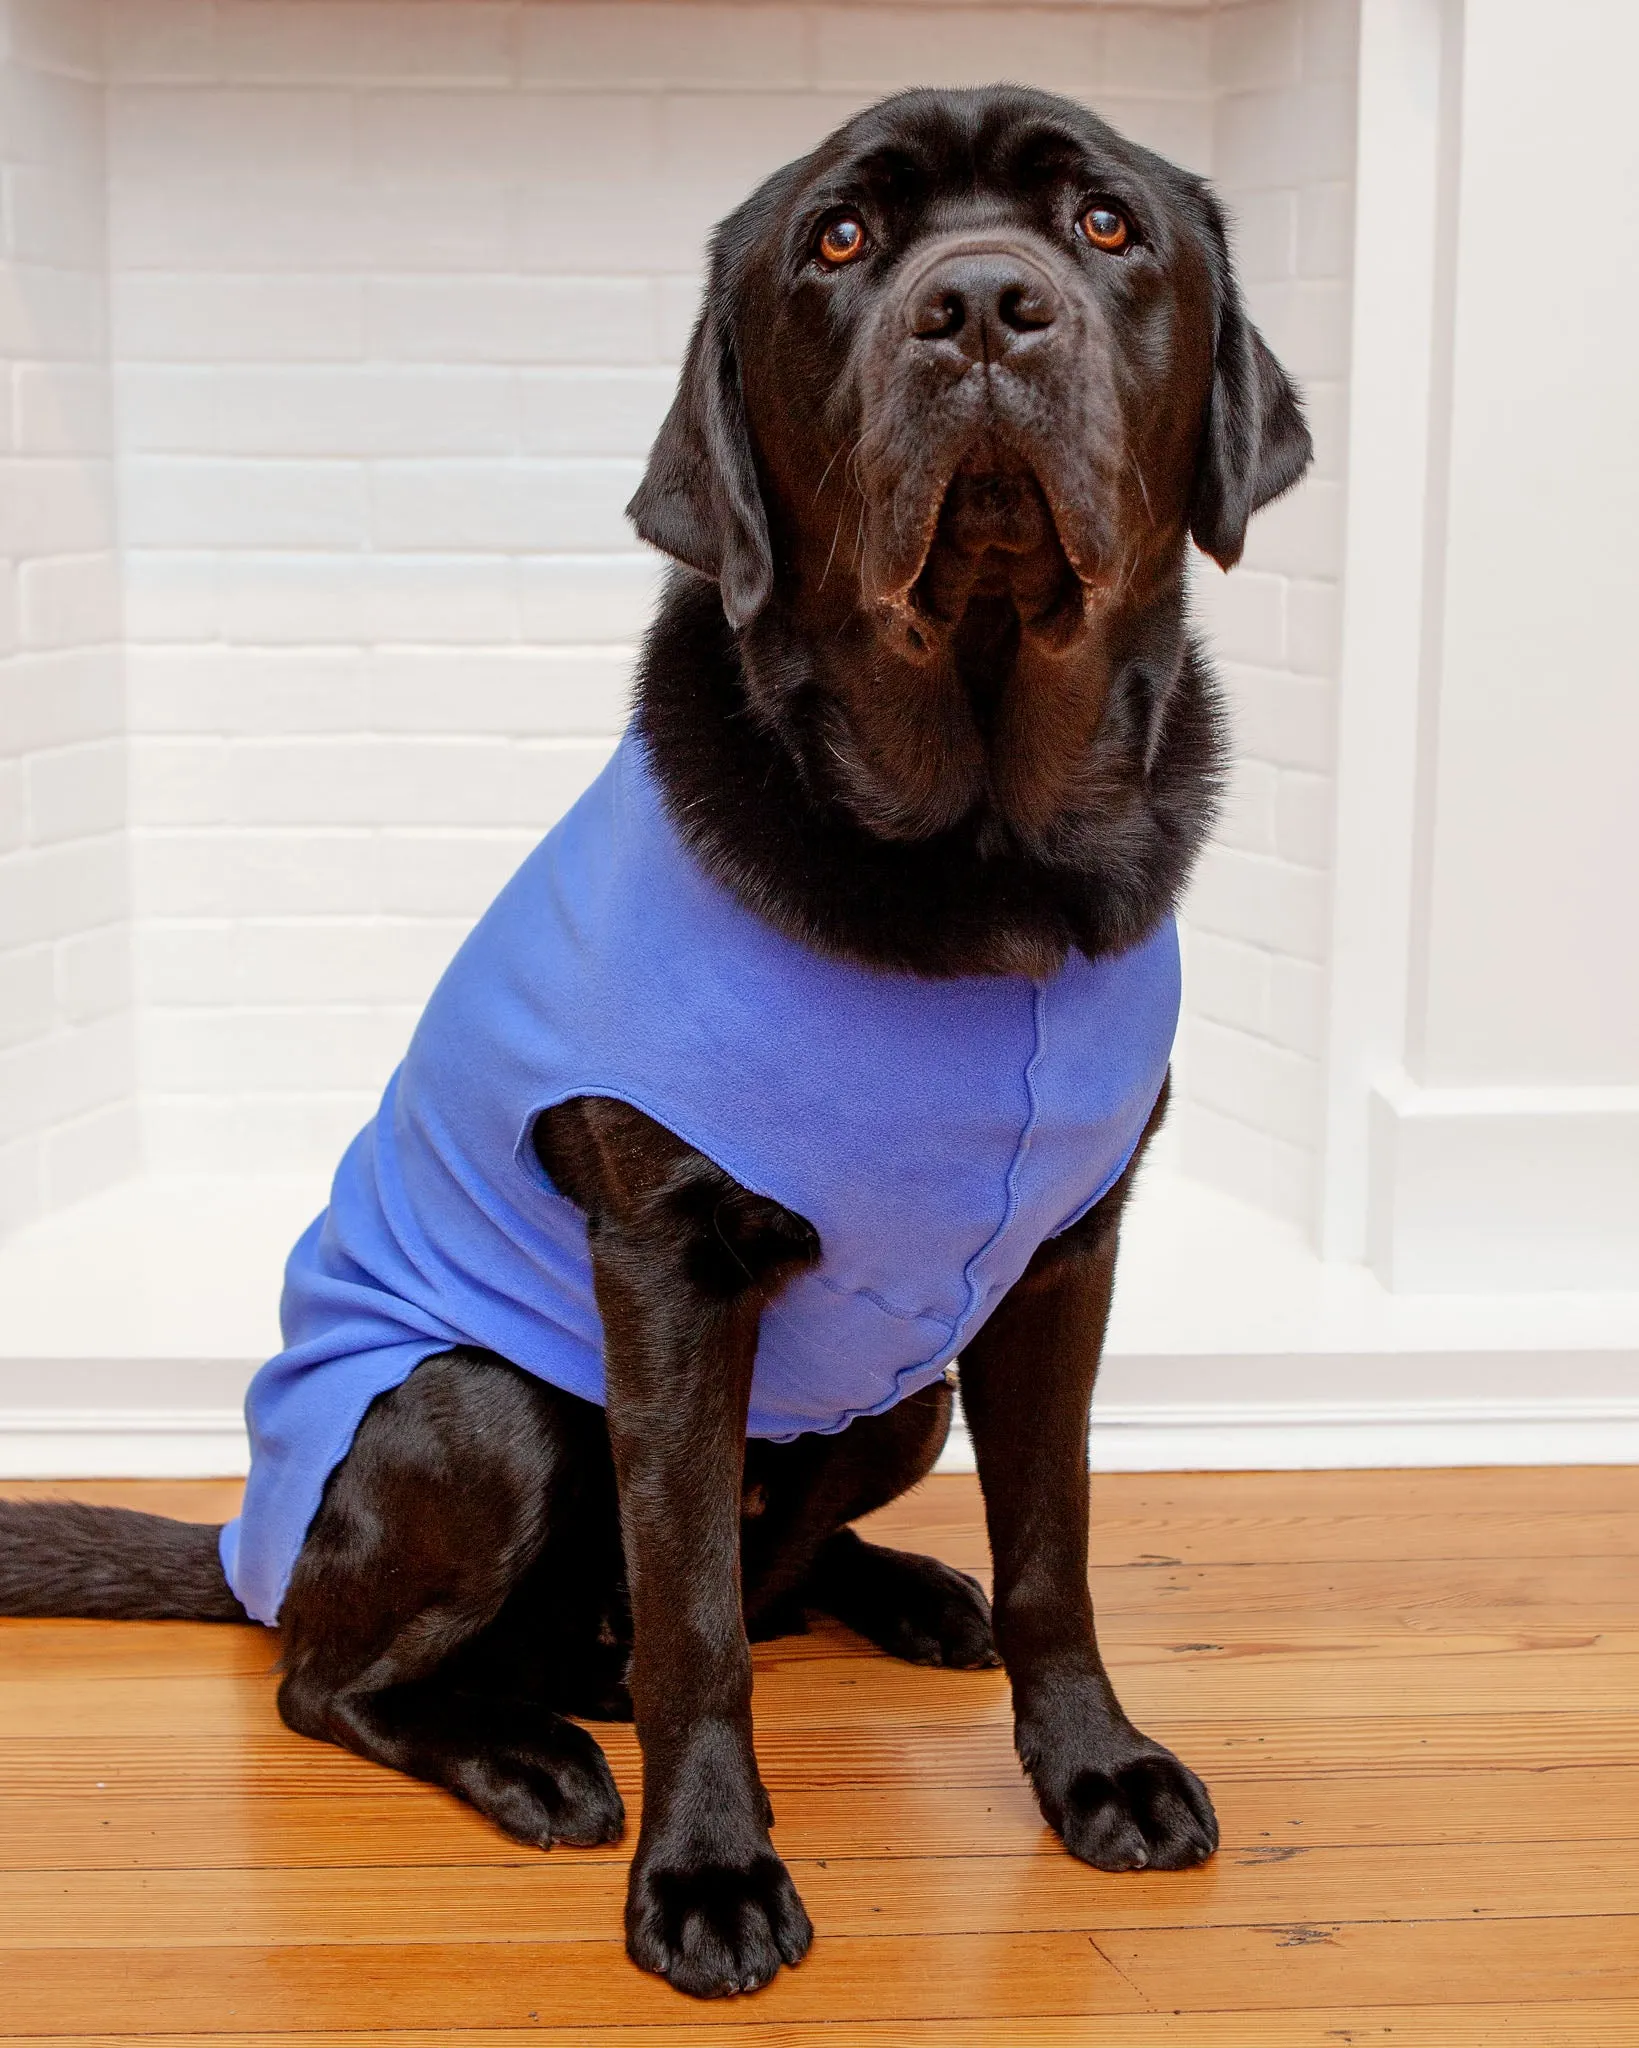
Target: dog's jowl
{"type": "Point", "coordinates": [815, 1047]}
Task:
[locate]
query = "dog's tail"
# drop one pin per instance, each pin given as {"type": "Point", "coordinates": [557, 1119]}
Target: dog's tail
{"type": "Point", "coordinates": [64, 1558]}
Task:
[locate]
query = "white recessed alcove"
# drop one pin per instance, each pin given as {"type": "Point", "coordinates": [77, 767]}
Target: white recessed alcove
{"type": "Point", "coordinates": [332, 335]}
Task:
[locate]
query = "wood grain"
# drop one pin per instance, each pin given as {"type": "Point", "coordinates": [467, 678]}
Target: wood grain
{"type": "Point", "coordinates": [1415, 1694]}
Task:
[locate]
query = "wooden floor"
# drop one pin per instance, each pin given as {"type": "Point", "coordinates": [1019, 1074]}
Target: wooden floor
{"type": "Point", "coordinates": [1415, 1696]}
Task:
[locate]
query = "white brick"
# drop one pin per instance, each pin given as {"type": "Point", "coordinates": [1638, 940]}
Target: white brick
{"type": "Point", "coordinates": [58, 217]}
{"type": "Point", "coordinates": [1330, 39]}
{"type": "Point", "coordinates": [175, 501]}
{"type": "Point", "coordinates": [594, 412]}
{"type": "Point", "coordinates": [465, 600]}
{"type": "Point", "coordinates": [1261, 901]}
{"type": "Point", "coordinates": [53, 699]}
{"type": "Point", "coordinates": [178, 781]}
{"type": "Point", "coordinates": [1228, 981]}
{"type": "Point", "coordinates": [28, 1002]}
{"type": "Point", "coordinates": [53, 891]}
{"type": "Point", "coordinates": [678, 309]}
{"type": "Point", "coordinates": [1282, 138]}
{"type": "Point", "coordinates": [49, 118]}
{"type": "Point", "coordinates": [161, 41]}
{"type": "Point", "coordinates": [716, 147]}
{"type": "Point", "coordinates": [93, 973]}
{"type": "Point", "coordinates": [871, 50]}
{"type": "Point", "coordinates": [271, 1051]}
{"type": "Point", "coordinates": [1326, 406]}
{"type": "Point", "coordinates": [252, 872]}
{"type": "Point", "coordinates": [524, 691]}
{"type": "Point", "coordinates": [303, 1132]}
{"type": "Point", "coordinates": [522, 507]}
{"type": "Point", "coordinates": [532, 320]}
{"type": "Point", "coordinates": [1303, 818]}
{"type": "Point", "coordinates": [171, 596]}
{"type": "Point", "coordinates": [1325, 245]}
{"type": "Point", "coordinates": [50, 506]}
{"type": "Point", "coordinates": [13, 816]}
{"type": "Point", "coordinates": [246, 690]}
{"type": "Point", "coordinates": [1286, 719]}
{"type": "Point", "coordinates": [234, 316]}
{"type": "Point", "coordinates": [1246, 613]}
{"type": "Point", "coordinates": [1306, 323]}
{"type": "Point", "coordinates": [1297, 1005]}
{"type": "Point", "coordinates": [440, 137]}
{"type": "Point", "coordinates": [62, 409]}
{"type": "Point", "coordinates": [582, 598]}
{"type": "Point", "coordinates": [650, 46]}
{"type": "Point", "coordinates": [1147, 50]}
{"type": "Point", "coordinates": [8, 608]}
{"type": "Point", "coordinates": [614, 227]}
{"type": "Point", "coordinates": [1312, 616]}
{"type": "Point", "coordinates": [1300, 535]}
{"type": "Point", "coordinates": [274, 600]}
{"type": "Point", "coordinates": [1239, 1075]}
{"type": "Point", "coordinates": [1263, 236]}
{"type": "Point", "coordinates": [377, 409]}
{"type": "Point", "coordinates": [1257, 47]}
{"type": "Point", "coordinates": [50, 313]}
{"type": "Point", "coordinates": [58, 35]}
{"type": "Point", "coordinates": [1176, 128]}
{"type": "Point", "coordinates": [450, 873]}
{"type": "Point", "coordinates": [69, 601]}
{"type": "Point", "coordinates": [371, 41]}
{"type": "Point", "coordinates": [1248, 818]}
{"type": "Point", "coordinates": [74, 792]}
{"type": "Point", "coordinates": [166, 410]}
{"type": "Point", "coordinates": [49, 1080]}
{"type": "Point", "coordinates": [176, 134]}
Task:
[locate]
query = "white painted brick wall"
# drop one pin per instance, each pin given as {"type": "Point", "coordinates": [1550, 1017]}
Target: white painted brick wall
{"type": "Point", "coordinates": [398, 296]}
{"type": "Point", "coordinates": [1258, 923]}
{"type": "Point", "coordinates": [397, 290]}
{"type": "Point", "coordinates": [67, 1067]}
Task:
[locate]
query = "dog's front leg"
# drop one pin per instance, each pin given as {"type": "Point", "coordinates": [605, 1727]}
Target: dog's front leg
{"type": "Point", "coordinates": [1118, 1799]}
{"type": "Point", "coordinates": [683, 1264]}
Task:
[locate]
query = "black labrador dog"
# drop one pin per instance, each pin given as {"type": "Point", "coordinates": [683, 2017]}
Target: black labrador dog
{"type": "Point", "coordinates": [967, 381]}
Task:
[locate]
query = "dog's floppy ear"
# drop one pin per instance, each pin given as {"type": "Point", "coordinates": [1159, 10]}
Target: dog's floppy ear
{"type": "Point", "coordinates": [1256, 444]}
{"type": "Point", "coordinates": [699, 499]}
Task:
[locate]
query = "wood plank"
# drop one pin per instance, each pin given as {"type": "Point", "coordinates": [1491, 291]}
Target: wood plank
{"type": "Point", "coordinates": [566, 1897]}
{"type": "Point", "coordinates": [846, 1979]}
{"type": "Point", "coordinates": [794, 1695]}
{"type": "Point", "coordinates": [951, 1497]}
{"type": "Point", "coordinates": [1607, 2024]}
{"type": "Point", "coordinates": [401, 1824]}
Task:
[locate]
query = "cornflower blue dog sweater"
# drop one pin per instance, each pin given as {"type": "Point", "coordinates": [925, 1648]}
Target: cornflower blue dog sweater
{"type": "Point", "coordinates": [935, 1133]}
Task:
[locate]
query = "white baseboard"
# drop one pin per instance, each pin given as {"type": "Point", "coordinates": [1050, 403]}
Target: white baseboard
{"type": "Point", "coordinates": [1232, 1347]}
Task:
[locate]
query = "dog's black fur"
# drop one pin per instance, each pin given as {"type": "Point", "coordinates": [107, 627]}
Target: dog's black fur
{"type": "Point", "coordinates": [923, 695]}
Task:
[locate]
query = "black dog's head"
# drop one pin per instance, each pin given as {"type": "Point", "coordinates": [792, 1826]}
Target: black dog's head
{"type": "Point", "coordinates": [967, 379]}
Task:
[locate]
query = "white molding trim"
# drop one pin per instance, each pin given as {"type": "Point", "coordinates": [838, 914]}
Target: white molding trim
{"type": "Point", "coordinates": [162, 1442]}
{"type": "Point", "coordinates": [1408, 51]}
{"type": "Point", "coordinates": [1504, 1189]}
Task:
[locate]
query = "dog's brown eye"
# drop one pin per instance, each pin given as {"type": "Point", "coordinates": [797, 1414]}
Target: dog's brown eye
{"type": "Point", "coordinates": [841, 240]}
{"type": "Point", "coordinates": [1107, 228]}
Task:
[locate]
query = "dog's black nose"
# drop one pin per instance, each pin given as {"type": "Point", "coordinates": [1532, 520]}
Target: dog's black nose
{"type": "Point", "coordinates": [986, 302]}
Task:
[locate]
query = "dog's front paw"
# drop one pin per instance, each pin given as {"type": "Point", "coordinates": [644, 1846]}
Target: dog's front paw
{"type": "Point", "coordinates": [712, 1927]}
{"type": "Point", "coordinates": [1130, 1806]}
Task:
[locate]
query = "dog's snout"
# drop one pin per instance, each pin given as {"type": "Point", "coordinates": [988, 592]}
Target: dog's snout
{"type": "Point", "coordinates": [987, 303]}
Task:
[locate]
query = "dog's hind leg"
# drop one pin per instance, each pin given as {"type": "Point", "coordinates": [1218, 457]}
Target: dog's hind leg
{"type": "Point", "coordinates": [401, 1623]}
{"type": "Point", "coordinates": [799, 1552]}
